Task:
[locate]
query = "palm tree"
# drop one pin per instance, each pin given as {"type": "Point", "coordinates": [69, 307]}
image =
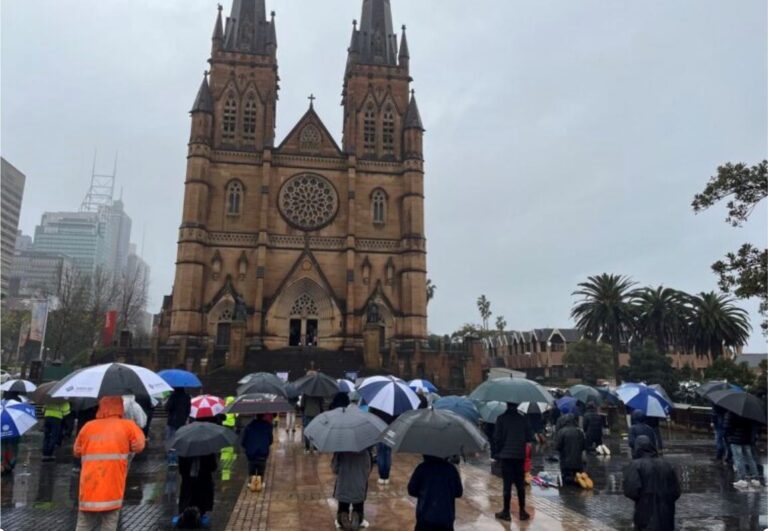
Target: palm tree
{"type": "Point", "coordinates": [716, 323]}
{"type": "Point", "coordinates": [605, 311]}
{"type": "Point", "coordinates": [484, 307]}
{"type": "Point", "coordinates": [501, 323]}
{"type": "Point", "coordinates": [431, 288]}
{"type": "Point", "coordinates": [661, 315]}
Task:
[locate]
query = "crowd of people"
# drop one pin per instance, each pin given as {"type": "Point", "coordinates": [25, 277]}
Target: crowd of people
{"type": "Point", "coordinates": [111, 430]}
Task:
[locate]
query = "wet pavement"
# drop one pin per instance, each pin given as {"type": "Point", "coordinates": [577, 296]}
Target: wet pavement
{"type": "Point", "coordinates": [299, 493]}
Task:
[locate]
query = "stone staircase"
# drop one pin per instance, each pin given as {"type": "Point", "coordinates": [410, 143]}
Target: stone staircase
{"type": "Point", "coordinates": [294, 360]}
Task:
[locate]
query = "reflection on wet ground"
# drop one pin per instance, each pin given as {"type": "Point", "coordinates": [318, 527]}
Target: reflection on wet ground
{"type": "Point", "coordinates": [44, 495]}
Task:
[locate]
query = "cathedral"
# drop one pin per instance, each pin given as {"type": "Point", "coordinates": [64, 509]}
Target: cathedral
{"type": "Point", "coordinates": [301, 242]}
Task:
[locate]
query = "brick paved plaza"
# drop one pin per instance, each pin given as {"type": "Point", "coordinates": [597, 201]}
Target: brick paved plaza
{"type": "Point", "coordinates": [299, 493]}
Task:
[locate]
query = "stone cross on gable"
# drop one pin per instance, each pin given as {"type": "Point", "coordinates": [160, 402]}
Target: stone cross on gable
{"type": "Point", "coordinates": [311, 99]}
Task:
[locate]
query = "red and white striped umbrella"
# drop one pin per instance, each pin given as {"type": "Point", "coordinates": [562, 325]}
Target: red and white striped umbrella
{"type": "Point", "coordinates": [206, 406]}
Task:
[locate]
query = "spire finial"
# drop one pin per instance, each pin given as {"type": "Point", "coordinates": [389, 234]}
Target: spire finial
{"type": "Point", "coordinates": [272, 14]}
{"type": "Point", "coordinates": [403, 27]}
{"type": "Point", "coordinates": [413, 92]}
{"type": "Point", "coordinates": [311, 99]}
{"type": "Point", "coordinates": [354, 23]}
{"type": "Point", "coordinates": [205, 74]}
{"type": "Point", "coordinates": [220, 8]}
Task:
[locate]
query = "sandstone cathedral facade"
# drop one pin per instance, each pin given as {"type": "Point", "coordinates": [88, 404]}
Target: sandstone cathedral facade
{"type": "Point", "coordinates": [300, 242]}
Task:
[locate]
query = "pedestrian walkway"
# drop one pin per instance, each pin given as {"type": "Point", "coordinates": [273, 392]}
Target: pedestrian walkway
{"type": "Point", "coordinates": [299, 495]}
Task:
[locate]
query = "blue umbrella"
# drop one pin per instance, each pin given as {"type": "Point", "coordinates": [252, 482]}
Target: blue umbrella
{"type": "Point", "coordinates": [644, 398]}
{"type": "Point", "coordinates": [180, 378]}
{"type": "Point", "coordinates": [567, 404]}
{"type": "Point", "coordinates": [460, 405]}
{"type": "Point", "coordinates": [388, 394]}
{"type": "Point", "coordinates": [16, 418]}
{"type": "Point", "coordinates": [424, 386]}
{"type": "Point", "coordinates": [345, 386]}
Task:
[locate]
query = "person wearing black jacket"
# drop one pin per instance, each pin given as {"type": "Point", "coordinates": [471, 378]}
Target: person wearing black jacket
{"type": "Point", "coordinates": [511, 434]}
{"type": "Point", "coordinates": [593, 427]}
{"type": "Point", "coordinates": [738, 435]}
{"type": "Point", "coordinates": [639, 427]}
{"type": "Point", "coordinates": [436, 484]}
{"type": "Point", "coordinates": [178, 407]}
{"type": "Point", "coordinates": [652, 484]}
{"type": "Point", "coordinates": [570, 443]}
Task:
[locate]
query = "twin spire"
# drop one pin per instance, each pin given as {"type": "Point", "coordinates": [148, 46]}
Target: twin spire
{"type": "Point", "coordinates": [247, 29]}
{"type": "Point", "coordinates": [375, 42]}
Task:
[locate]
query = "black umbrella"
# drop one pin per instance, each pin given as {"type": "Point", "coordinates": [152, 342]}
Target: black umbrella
{"type": "Point", "coordinates": [255, 403]}
{"type": "Point", "coordinates": [345, 429]}
{"type": "Point", "coordinates": [715, 385]}
{"type": "Point", "coordinates": [741, 403]}
{"type": "Point", "coordinates": [201, 438]}
{"type": "Point", "coordinates": [316, 384]}
{"type": "Point", "coordinates": [437, 432]}
{"type": "Point", "coordinates": [263, 385]}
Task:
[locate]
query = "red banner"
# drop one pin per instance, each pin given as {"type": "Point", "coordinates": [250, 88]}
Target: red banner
{"type": "Point", "coordinates": [110, 325]}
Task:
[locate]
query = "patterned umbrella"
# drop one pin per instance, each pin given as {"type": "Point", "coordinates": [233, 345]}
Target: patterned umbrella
{"type": "Point", "coordinates": [16, 418]}
{"type": "Point", "coordinates": [647, 400]}
{"type": "Point", "coordinates": [345, 386]}
{"type": "Point", "coordinates": [18, 386]}
{"type": "Point", "coordinates": [388, 394]}
{"type": "Point", "coordinates": [527, 408]}
{"type": "Point", "coordinates": [206, 406]}
{"type": "Point", "coordinates": [425, 386]}
{"type": "Point", "coordinates": [110, 379]}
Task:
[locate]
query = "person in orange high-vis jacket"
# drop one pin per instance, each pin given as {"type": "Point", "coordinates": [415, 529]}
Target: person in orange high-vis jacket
{"type": "Point", "coordinates": [104, 445]}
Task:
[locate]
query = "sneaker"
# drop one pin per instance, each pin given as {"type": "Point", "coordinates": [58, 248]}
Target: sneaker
{"type": "Point", "coordinates": [503, 515]}
{"type": "Point", "coordinates": [380, 482]}
{"type": "Point", "coordinates": [524, 515]}
{"type": "Point", "coordinates": [344, 521]}
{"type": "Point", "coordinates": [337, 524]}
{"type": "Point", "coordinates": [365, 523]}
{"type": "Point", "coordinates": [741, 484]}
{"type": "Point", "coordinates": [354, 521]}
{"type": "Point", "coordinates": [581, 481]}
{"type": "Point", "coordinates": [755, 482]}
{"type": "Point", "coordinates": [386, 481]}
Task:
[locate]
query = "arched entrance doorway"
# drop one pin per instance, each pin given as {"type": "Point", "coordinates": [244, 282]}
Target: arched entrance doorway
{"type": "Point", "coordinates": [303, 322]}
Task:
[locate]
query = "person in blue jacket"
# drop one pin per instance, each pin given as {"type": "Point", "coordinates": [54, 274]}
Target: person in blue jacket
{"type": "Point", "coordinates": [436, 484]}
{"type": "Point", "coordinates": [257, 439]}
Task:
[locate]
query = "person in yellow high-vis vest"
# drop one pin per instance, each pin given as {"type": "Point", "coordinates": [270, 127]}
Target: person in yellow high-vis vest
{"type": "Point", "coordinates": [230, 420]}
{"type": "Point", "coordinates": [54, 416]}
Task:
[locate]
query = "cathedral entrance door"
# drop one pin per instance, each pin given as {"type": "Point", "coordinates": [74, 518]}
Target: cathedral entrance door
{"type": "Point", "coordinates": [311, 332]}
{"type": "Point", "coordinates": [294, 335]}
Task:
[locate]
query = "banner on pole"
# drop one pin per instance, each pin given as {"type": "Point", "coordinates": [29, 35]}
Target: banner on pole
{"type": "Point", "coordinates": [37, 324]}
{"type": "Point", "coordinates": [110, 325]}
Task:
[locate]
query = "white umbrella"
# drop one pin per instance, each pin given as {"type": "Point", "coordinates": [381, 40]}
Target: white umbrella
{"type": "Point", "coordinates": [18, 386]}
{"type": "Point", "coordinates": [110, 379]}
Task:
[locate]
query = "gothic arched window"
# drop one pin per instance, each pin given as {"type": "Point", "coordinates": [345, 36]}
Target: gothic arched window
{"type": "Point", "coordinates": [369, 130]}
{"type": "Point", "coordinates": [249, 119]}
{"type": "Point", "coordinates": [388, 131]}
{"type": "Point", "coordinates": [379, 206]}
{"type": "Point", "coordinates": [234, 198]}
{"type": "Point", "coordinates": [229, 118]}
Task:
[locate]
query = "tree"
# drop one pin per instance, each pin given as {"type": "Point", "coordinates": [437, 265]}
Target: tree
{"type": "Point", "coordinates": [501, 323]}
{"type": "Point", "coordinates": [605, 312]}
{"type": "Point", "coordinates": [590, 360]}
{"type": "Point", "coordinates": [761, 382]}
{"type": "Point", "coordinates": [661, 314]}
{"type": "Point", "coordinates": [715, 324]}
{"type": "Point", "coordinates": [745, 272]}
{"type": "Point", "coordinates": [431, 289]}
{"type": "Point", "coordinates": [484, 306]}
{"type": "Point", "coordinates": [67, 330]}
{"type": "Point", "coordinates": [727, 369]}
{"type": "Point", "coordinates": [646, 364]}
{"type": "Point", "coordinates": [469, 330]}
{"type": "Point", "coordinates": [11, 321]}
{"type": "Point", "coordinates": [131, 298]}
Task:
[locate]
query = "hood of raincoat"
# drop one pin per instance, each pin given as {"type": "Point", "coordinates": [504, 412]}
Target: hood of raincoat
{"type": "Point", "coordinates": [638, 416]}
{"type": "Point", "coordinates": [569, 419]}
{"type": "Point", "coordinates": [644, 447]}
{"type": "Point", "coordinates": [110, 406]}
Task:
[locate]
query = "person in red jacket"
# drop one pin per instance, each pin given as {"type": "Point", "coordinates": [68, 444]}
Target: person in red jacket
{"type": "Point", "coordinates": [103, 446]}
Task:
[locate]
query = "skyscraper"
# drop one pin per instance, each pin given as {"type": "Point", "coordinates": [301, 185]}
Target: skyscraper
{"type": "Point", "coordinates": [117, 235]}
{"type": "Point", "coordinates": [12, 192]}
{"type": "Point", "coordinates": [78, 235]}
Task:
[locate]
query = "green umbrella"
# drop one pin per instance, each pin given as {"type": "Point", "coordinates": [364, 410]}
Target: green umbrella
{"type": "Point", "coordinates": [586, 394]}
{"type": "Point", "coordinates": [514, 390]}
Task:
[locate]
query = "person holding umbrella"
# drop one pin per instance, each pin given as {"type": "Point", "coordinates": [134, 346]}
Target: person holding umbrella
{"type": "Point", "coordinates": [436, 484]}
{"type": "Point", "coordinates": [16, 419]}
{"type": "Point", "coordinates": [511, 435]}
{"type": "Point", "coordinates": [178, 407]}
{"type": "Point", "coordinates": [257, 440]}
{"type": "Point", "coordinates": [104, 446]}
{"type": "Point", "coordinates": [738, 435]}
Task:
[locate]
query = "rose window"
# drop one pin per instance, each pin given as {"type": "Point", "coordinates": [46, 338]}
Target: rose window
{"type": "Point", "coordinates": [308, 202]}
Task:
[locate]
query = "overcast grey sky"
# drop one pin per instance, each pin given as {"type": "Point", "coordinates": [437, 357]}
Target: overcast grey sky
{"type": "Point", "coordinates": [564, 138]}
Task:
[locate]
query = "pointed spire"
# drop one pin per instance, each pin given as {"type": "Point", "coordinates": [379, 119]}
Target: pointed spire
{"type": "Point", "coordinates": [204, 100]}
{"type": "Point", "coordinates": [272, 37]}
{"type": "Point", "coordinates": [375, 41]}
{"type": "Point", "coordinates": [412, 116]}
{"type": "Point", "coordinates": [247, 29]}
{"type": "Point", "coordinates": [218, 28]}
{"type": "Point", "coordinates": [404, 53]}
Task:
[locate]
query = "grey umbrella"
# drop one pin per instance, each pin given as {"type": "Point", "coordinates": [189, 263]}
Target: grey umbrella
{"type": "Point", "coordinates": [515, 390]}
{"type": "Point", "coordinates": [585, 394]}
{"type": "Point", "coordinates": [714, 385]}
{"type": "Point", "coordinates": [263, 385]}
{"type": "Point", "coordinates": [347, 429]}
{"type": "Point", "coordinates": [316, 384]}
{"type": "Point", "coordinates": [260, 376]}
{"type": "Point", "coordinates": [437, 432]}
{"type": "Point", "coordinates": [255, 403]}
{"type": "Point", "coordinates": [201, 438]}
